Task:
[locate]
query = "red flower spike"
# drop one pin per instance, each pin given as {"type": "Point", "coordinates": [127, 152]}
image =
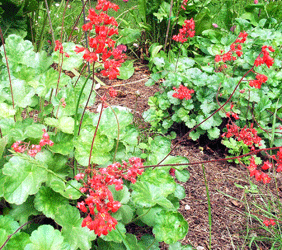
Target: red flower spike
{"type": "Point", "coordinates": [187, 30]}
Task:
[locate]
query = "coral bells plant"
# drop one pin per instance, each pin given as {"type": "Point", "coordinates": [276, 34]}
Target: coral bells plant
{"type": "Point", "coordinates": [100, 203]}
{"type": "Point", "coordinates": [102, 46]}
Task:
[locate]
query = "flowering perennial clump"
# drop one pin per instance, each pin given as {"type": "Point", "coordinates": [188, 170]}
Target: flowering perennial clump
{"type": "Point", "coordinates": [187, 30]}
{"type": "Point", "coordinates": [99, 203]}
{"type": "Point", "coordinates": [21, 147]}
{"type": "Point", "coordinates": [183, 92]}
{"type": "Point", "coordinates": [102, 45]}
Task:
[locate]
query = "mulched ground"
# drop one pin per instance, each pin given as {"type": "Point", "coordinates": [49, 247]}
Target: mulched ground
{"type": "Point", "coordinates": [229, 219]}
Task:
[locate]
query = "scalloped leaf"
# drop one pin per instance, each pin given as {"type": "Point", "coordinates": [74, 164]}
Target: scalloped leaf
{"type": "Point", "coordinates": [170, 227]}
{"type": "Point", "coordinates": [23, 178]}
{"type": "Point", "coordinates": [147, 195]}
{"type": "Point", "coordinates": [47, 201]}
{"type": "Point", "coordinates": [7, 226]}
{"type": "Point", "coordinates": [76, 236]}
{"type": "Point", "coordinates": [23, 211]}
{"type": "Point", "coordinates": [102, 146]}
{"type": "Point", "coordinates": [47, 238]}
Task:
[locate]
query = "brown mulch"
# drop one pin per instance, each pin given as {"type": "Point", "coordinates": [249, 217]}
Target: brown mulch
{"type": "Point", "coordinates": [229, 216]}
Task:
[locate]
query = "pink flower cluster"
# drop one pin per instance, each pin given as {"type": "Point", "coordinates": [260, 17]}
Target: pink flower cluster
{"type": "Point", "coordinates": [99, 203]}
{"type": "Point", "coordinates": [183, 93]}
{"type": "Point", "coordinates": [235, 47]}
{"type": "Point", "coordinates": [102, 46]}
{"type": "Point", "coordinates": [21, 147]}
{"type": "Point", "coordinates": [187, 30]}
{"type": "Point", "coordinates": [247, 135]}
{"type": "Point", "coordinates": [59, 47]}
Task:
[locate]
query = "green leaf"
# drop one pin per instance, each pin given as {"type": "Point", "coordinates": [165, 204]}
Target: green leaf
{"type": "Point", "coordinates": [147, 241]}
{"type": "Point", "coordinates": [170, 227]}
{"type": "Point", "coordinates": [126, 70]}
{"type": "Point", "coordinates": [73, 61]}
{"type": "Point", "coordinates": [180, 192]}
{"type": "Point", "coordinates": [182, 175]}
{"type": "Point", "coordinates": [131, 242]}
{"type": "Point", "coordinates": [102, 146]}
{"type": "Point", "coordinates": [179, 246]}
{"type": "Point", "coordinates": [76, 236]}
{"type": "Point", "coordinates": [124, 214]}
{"type": "Point", "coordinates": [159, 178]}
{"type": "Point", "coordinates": [23, 179]}
{"type": "Point", "coordinates": [22, 212]}
{"type": "Point", "coordinates": [47, 201]}
{"type": "Point", "coordinates": [7, 227]}
{"type": "Point", "coordinates": [149, 215]}
{"type": "Point", "coordinates": [213, 133]}
{"type": "Point", "coordinates": [18, 51]}
{"type": "Point", "coordinates": [18, 242]}
{"type": "Point", "coordinates": [3, 143]}
{"type": "Point", "coordinates": [34, 131]}
{"type": "Point", "coordinates": [114, 235]}
{"type": "Point", "coordinates": [123, 195]}
{"type": "Point", "coordinates": [6, 110]}
{"type": "Point", "coordinates": [129, 35]}
{"type": "Point", "coordinates": [109, 245]}
{"type": "Point", "coordinates": [46, 238]}
{"type": "Point", "coordinates": [65, 124]}
{"type": "Point", "coordinates": [63, 143]}
{"type": "Point", "coordinates": [22, 93]}
{"type": "Point", "coordinates": [147, 195]}
{"type": "Point", "coordinates": [69, 190]}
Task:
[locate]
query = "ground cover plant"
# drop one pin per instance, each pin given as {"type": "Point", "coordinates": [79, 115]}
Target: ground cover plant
{"type": "Point", "coordinates": [85, 178]}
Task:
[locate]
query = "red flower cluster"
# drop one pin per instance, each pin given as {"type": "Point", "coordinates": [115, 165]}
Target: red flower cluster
{"type": "Point", "coordinates": [260, 80]}
{"type": "Point", "coordinates": [112, 92]}
{"type": "Point", "coordinates": [278, 159]}
{"type": "Point", "coordinates": [235, 47]}
{"type": "Point", "coordinates": [99, 202]}
{"type": "Point", "coordinates": [59, 47]}
{"type": "Point", "coordinates": [102, 46]}
{"type": "Point", "coordinates": [187, 30]}
{"type": "Point", "coordinates": [21, 147]}
{"type": "Point", "coordinates": [265, 57]}
{"type": "Point", "coordinates": [269, 222]}
{"type": "Point", "coordinates": [234, 115]}
{"type": "Point", "coordinates": [184, 3]}
{"type": "Point", "coordinates": [183, 92]}
{"type": "Point", "coordinates": [247, 135]}
{"type": "Point", "coordinates": [259, 175]}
